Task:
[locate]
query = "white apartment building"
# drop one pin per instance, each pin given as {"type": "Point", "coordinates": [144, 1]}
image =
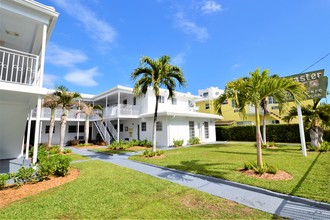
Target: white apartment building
{"type": "Point", "coordinates": [25, 28]}
{"type": "Point", "coordinates": [126, 117]}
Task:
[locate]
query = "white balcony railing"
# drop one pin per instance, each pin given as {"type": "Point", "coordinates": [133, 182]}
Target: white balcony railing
{"type": "Point", "coordinates": [127, 110]}
{"type": "Point", "coordinates": [18, 67]}
{"type": "Point", "coordinates": [72, 114]}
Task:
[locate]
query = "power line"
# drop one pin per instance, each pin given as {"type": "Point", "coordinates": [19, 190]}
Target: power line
{"type": "Point", "coordinates": [315, 62]}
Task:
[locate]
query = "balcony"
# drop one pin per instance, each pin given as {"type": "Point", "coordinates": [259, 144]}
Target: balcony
{"type": "Point", "coordinates": [121, 110]}
{"type": "Point", "coordinates": [18, 67]}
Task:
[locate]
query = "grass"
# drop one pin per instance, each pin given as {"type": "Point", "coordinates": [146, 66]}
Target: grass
{"type": "Point", "coordinates": [77, 157]}
{"type": "Point", "coordinates": [310, 174]}
{"type": "Point", "coordinates": [106, 191]}
{"type": "Point", "coordinates": [111, 151]}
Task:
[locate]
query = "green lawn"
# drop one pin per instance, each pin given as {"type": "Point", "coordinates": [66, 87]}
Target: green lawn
{"type": "Point", "coordinates": [106, 191]}
{"type": "Point", "coordinates": [111, 151]}
{"type": "Point", "coordinates": [77, 157]}
{"type": "Point", "coordinates": [311, 174]}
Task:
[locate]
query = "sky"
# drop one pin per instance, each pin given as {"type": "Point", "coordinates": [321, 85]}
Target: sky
{"type": "Point", "coordinates": [96, 44]}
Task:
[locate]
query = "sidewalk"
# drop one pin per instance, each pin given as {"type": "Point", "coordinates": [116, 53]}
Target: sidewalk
{"type": "Point", "coordinates": [275, 203]}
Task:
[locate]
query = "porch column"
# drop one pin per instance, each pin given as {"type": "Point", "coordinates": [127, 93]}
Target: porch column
{"type": "Point", "coordinates": [118, 127]}
{"type": "Point", "coordinates": [36, 133]}
{"type": "Point", "coordinates": [28, 136]}
{"type": "Point", "coordinates": [78, 130]}
{"type": "Point", "coordinates": [42, 54]}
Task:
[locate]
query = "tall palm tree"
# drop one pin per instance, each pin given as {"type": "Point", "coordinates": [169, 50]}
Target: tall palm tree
{"type": "Point", "coordinates": [66, 101]}
{"type": "Point", "coordinates": [89, 110]}
{"type": "Point", "coordinates": [156, 73]}
{"type": "Point", "coordinates": [252, 90]}
{"type": "Point", "coordinates": [51, 101]}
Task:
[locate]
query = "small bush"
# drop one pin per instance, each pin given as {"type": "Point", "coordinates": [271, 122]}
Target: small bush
{"type": "Point", "coordinates": [325, 146]}
{"type": "Point", "coordinates": [84, 144]}
{"type": "Point", "coordinates": [24, 175]}
{"type": "Point", "coordinates": [62, 165]}
{"type": "Point", "coordinates": [67, 151]}
{"type": "Point", "coordinates": [57, 165]}
{"type": "Point", "coordinates": [3, 180]}
{"type": "Point", "coordinates": [178, 143]}
{"type": "Point", "coordinates": [265, 168]}
{"type": "Point", "coordinates": [72, 142]}
{"type": "Point", "coordinates": [194, 140]}
{"type": "Point", "coordinates": [150, 153]}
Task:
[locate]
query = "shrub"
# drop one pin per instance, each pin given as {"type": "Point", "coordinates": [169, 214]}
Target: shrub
{"type": "Point", "coordinates": [150, 153]}
{"type": "Point", "coordinates": [325, 146]}
{"type": "Point", "coordinates": [265, 168]}
{"type": "Point", "coordinates": [62, 165]}
{"type": "Point", "coordinates": [119, 145]}
{"type": "Point", "coordinates": [53, 165]}
{"type": "Point", "coordinates": [67, 151]}
{"type": "Point", "coordinates": [194, 140]}
{"type": "Point", "coordinates": [72, 142]}
{"type": "Point", "coordinates": [274, 133]}
{"type": "Point", "coordinates": [3, 180]}
{"type": "Point", "coordinates": [24, 175]}
{"type": "Point", "coordinates": [178, 143]}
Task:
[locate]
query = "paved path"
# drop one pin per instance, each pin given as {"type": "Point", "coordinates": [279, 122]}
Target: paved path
{"type": "Point", "coordinates": [275, 203]}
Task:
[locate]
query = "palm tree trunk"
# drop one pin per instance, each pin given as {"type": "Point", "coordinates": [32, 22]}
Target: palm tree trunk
{"type": "Point", "coordinates": [264, 129]}
{"type": "Point", "coordinates": [51, 127]}
{"type": "Point", "coordinates": [86, 129]}
{"type": "Point", "coordinates": [154, 126]}
{"type": "Point", "coordinates": [62, 133]}
{"type": "Point", "coordinates": [258, 137]}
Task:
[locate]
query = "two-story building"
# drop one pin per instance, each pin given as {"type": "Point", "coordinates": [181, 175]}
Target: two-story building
{"type": "Point", "coordinates": [25, 28]}
{"type": "Point", "coordinates": [126, 117]}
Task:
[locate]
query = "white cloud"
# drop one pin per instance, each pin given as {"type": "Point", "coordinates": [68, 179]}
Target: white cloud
{"type": "Point", "coordinates": [64, 56]}
{"type": "Point", "coordinates": [178, 59]}
{"type": "Point", "coordinates": [189, 27]}
{"type": "Point", "coordinates": [98, 29]}
{"type": "Point", "coordinates": [210, 7]}
{"type": "Point", "coordinates": [49, 81]}
{"type": "Point", "coordinates": [83, 77]}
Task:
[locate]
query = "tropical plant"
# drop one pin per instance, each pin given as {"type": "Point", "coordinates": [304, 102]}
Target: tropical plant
{"type": "Point", "coordinates": [51, 101]}
{"type": "Point", "coordinates": [156, 74]}
{"type": "Point", "coordinates": [312, 113]}
{"type": "Point", "coordinates": [66, 100]}
{"type": "Point", "coordinates": [252, 90]}
{"type": "Point", "coordinates": [89, 110]}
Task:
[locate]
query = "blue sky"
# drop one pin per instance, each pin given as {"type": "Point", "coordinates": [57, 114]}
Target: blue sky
{"type": "Point", "coordinates": [96, 44]}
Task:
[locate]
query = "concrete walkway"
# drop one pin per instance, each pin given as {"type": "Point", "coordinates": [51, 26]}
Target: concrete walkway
{"type": "Point", "coordinates": [275, 203]}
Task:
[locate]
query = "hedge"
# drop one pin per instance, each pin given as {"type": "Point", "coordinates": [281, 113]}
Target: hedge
{"type": "Point", "coordinates": [288, 133]}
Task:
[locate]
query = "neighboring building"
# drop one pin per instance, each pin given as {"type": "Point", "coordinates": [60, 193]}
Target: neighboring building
{"type": "Point", "coordinates": [127, 117]}
{"type": "Point", "coordinates": [230, 113]}
{"type": "Point", "coordinates": [25, 27]}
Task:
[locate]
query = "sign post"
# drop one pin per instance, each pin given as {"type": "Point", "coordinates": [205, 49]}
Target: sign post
{"type": "Point", "coordinates": [316, 85]}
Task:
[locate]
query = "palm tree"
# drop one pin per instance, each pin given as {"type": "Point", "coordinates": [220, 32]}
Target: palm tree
{"type": "Point", "coordinates": [66, 101]}
{"type": "Point", "coordinates": [316, 117]}
{"type": "Point", "coordinates": [252, 90]}
{"type": "Point", "coordinates": [156, 74]}
{"type": "Point", "coordinates": [89, 110]}
{"type": "Point", "coordinates": [51, 101]}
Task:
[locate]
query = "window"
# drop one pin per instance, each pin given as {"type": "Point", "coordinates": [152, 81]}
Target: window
{"type": "Point", "coordinates": [275, 107]}
{"type": "Point", "coordinates": [271, 100]}
{"type": "Point", "coordinates": [72, 129]}
{"type": "Point", "coordinates": [207, 106]}
{"type": "Point", "coordinates": [161, 99]}
{"type": "Point", "coordinates": [206, 129]}
{"type": "Point", "coordinates": [81, 128]}
{"type": "Point", "coordinates": [143, 126]}
{"type": "Point", "coordinates": [275, 121]}
{"type": "Point", "coordinates": [159, 126]}
{"type": "Point", "coordinates": [115, 126]}
{"type": "Point", "coordinates": [134, 100]}
{"type": "Point", "coordinates": [125, 101]}
{"type": "Point", "coordinates": [121, 128]}
{"type": "Point", "coordinates": [47, 129]}
{"type": "Point", "coordinates": [173, 101]}
{"type": "Point", "coordinates": [205, 94]}
{"type": "Point", "coordinates": [191, 129]}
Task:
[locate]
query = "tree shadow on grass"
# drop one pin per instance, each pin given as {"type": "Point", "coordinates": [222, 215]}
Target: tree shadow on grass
{"type": "Point", "coordinates": [198, 167]}
{"type": "Point", "coordinates": [241, 153]}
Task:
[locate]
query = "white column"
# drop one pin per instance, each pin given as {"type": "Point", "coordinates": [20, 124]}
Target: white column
{"type": "Point", "coordinates": [42, 54]}
{"type": "Point", "coordinates": [28, 136]}
{"type": "Point", "coordinates": [78, 130]}
{"type": "Point", "coordinates": [301, 131]}
{"type": "Point", "coordinates": [36, 133]}
{"type": "Point", "coordinates": [118, 127]}
{"type": "Point", "coordinates": [22, 150]}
